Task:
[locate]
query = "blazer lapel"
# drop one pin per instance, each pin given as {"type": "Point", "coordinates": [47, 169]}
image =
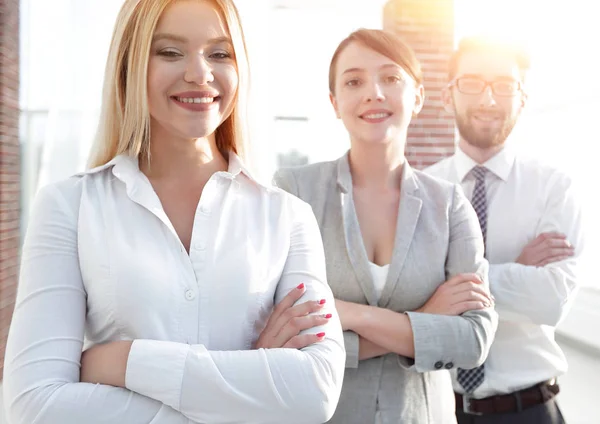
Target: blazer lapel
{"type": "Point", "coordinates": [352, 235]}
{"type": "Point", "coordinates": [408, 216]}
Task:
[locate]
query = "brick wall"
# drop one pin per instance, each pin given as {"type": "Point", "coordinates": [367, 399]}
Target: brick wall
{"type": "Point", "coordinates": [428, 27]}
{"type": "Point", "coordinates": [9, 164]}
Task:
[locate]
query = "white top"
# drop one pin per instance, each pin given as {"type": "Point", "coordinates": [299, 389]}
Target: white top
{"type": "Point", "coordinates": [525, 198]}
{"type": "Point", "coordinates": [101, 257]}
{"type": "Point", "coordinates": [379, 274]}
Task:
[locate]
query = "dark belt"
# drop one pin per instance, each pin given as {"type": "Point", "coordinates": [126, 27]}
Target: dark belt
{"type": "Point", "coordinates": [512, 402]}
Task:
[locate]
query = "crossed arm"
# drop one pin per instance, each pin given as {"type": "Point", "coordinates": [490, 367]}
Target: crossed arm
{"type": "Point", "coordinates": [537, 287]}
{"type": "Point", "coordinates": [460, 312]}
{"type": "Point", "coordinates": [381, 331]}
{"type": "Point", "coordinates": [540, 285]}
{"type": "Point", "coordinates": [166, 382]}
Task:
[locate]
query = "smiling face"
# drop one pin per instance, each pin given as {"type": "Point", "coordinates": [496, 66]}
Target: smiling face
{"type": "Point", "coordinates": [373, 95]}
{"type": "Point", "coordinates": [485, 120]}
{"type": "Point", "coordinates": [192, 75]}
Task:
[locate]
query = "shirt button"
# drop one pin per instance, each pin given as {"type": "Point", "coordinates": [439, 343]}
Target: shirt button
{"type": "Point", "coordinates": [190, 295]}
{"type": "Point", "coordinates": [200, 246]}
{"type": "Point", "coordinates": [449, 365]}
{"type": "Point", "coordinates": [438, 365]}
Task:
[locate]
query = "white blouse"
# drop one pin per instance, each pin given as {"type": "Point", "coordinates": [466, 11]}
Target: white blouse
{"type": "Point", "coordinates": [102, 259]}
{"type": "Point", "coordinates": [379, 274]}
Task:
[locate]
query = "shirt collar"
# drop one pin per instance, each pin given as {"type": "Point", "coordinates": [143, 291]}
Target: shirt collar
{"type": "Point", "coordinates": [126, 168]}
{"type": "Point", "coordinates": [500, 164]}
{"type": "Point", "coordinates": [121, 161]}
{"type": "Point", "coordinates": [237, 166]}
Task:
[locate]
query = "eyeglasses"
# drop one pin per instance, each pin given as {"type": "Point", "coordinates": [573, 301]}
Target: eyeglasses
{"type": "Point", "coordinates": [473, 85]}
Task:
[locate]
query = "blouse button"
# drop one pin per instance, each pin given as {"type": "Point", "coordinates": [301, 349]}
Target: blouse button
{"type": "Point", "coordinates": [190, 295]}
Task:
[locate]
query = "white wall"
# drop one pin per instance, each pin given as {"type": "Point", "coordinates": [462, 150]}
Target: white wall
{"type": "Point", "coordinates": [290, 46]}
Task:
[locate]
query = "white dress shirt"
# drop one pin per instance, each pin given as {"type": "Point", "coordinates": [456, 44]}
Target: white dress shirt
{"type": "Point", "coordinates": [101, 258]}
{"type": "Point", "coordinates": [525, 198]}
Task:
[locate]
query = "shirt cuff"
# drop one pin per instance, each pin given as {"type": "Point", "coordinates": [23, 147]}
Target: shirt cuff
{"type": "Point", "coordinates": [351, 343]}
{"type": "Point", "coordinates": [155, 369]}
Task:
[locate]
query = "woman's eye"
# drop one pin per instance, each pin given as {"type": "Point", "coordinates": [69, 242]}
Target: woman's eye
{"type": "Point", "coordinates": [169, 53]}
{"type": "Point", "coordinates": [220, 55]}
{"type": "Point", "coordinates": [352, 83]}
{"type": "Point", "coordinates": [393, 79]}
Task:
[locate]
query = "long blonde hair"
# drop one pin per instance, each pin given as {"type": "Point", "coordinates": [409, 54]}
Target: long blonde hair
{"type": "Point", "coordinates": [124, 125]}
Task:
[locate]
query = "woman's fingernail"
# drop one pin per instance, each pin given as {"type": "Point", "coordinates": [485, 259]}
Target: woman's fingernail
{"type": "Point", "coordinates": [300, 286]}
{"type": "Point", "coordinates": [321, 335]}
{"type": "Point", "coordinates": [327, 316]}
{"type": "Point", "coordinates": [322, 301]}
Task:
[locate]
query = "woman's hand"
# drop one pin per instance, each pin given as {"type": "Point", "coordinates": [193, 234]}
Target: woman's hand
{"type": "Point", "coordinates": [105, 364]}
{"type": "Point", "coordinates": [287, 321]}
{"type": "Point", "coordinates": [461, 293]}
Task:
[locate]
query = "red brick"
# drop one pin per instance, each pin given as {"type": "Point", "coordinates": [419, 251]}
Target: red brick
{"type": "Point", "coordinates": [428, 27]}
{"type": "Point", "coordinates": [9, 165]}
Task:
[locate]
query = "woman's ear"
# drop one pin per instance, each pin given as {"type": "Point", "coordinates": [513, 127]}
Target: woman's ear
{"type": "Point", "coordinates": [334, 104]}
{"type": "Point", "coordinates": [419, 100]}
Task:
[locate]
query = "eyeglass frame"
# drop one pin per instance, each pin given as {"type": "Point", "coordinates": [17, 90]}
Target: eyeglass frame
{"type": "Point", "coordinates": [486, 84]}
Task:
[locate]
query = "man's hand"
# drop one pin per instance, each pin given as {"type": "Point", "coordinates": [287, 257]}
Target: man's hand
{"type": "Point", "coordinates": [546, 248]}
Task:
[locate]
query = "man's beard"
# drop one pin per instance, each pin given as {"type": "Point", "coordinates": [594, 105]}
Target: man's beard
{"type": "Point", "coordinates": [480, 139]}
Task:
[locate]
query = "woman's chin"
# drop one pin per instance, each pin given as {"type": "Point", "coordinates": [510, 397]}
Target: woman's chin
{"type": "Point", "coordinates": [378, 140]}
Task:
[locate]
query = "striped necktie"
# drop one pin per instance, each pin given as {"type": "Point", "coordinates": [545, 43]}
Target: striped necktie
{"type": "Point", "coordinates": [471, 379]}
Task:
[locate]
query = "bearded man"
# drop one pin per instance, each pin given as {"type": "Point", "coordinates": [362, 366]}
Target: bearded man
{"type": "Point", "coordinates": [531, 224]}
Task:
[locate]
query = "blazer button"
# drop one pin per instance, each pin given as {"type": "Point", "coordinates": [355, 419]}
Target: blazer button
{"type": "Point", "coordinates": [438, 365]}
{"type": "Point", "coordinates": [449, 365]}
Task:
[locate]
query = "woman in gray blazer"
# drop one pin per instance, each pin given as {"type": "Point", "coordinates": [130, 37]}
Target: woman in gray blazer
{"type": "Point", "coordinates": [404, 251]}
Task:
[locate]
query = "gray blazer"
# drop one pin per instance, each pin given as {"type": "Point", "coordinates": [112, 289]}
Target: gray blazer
{"type": "Point", "coordinates": [437, 236]}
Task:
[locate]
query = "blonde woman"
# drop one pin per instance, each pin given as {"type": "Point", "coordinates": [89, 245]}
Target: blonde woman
{"type": "Point", "coordinates": [200, 293]}
{"type": "Point", "coordinates": [404, 250]}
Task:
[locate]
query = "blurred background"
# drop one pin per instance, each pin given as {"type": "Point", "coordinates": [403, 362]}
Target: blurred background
{"type": "Point", "coordinates": [53, 54]}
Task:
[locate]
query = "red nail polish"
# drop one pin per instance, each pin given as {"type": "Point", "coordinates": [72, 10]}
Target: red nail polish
{"type": "Point", "coordinates": [319, 335]}
{"type": "Point", "coordinates": [322, 302]}
{"type": "Point", "coordinates": [328, 316]}
{"type": "Point", "coordinates": [300, 286]}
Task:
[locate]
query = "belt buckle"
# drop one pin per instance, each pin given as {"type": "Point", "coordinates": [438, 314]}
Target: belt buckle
{"type": "Point", "coordinates": [467, 405]}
